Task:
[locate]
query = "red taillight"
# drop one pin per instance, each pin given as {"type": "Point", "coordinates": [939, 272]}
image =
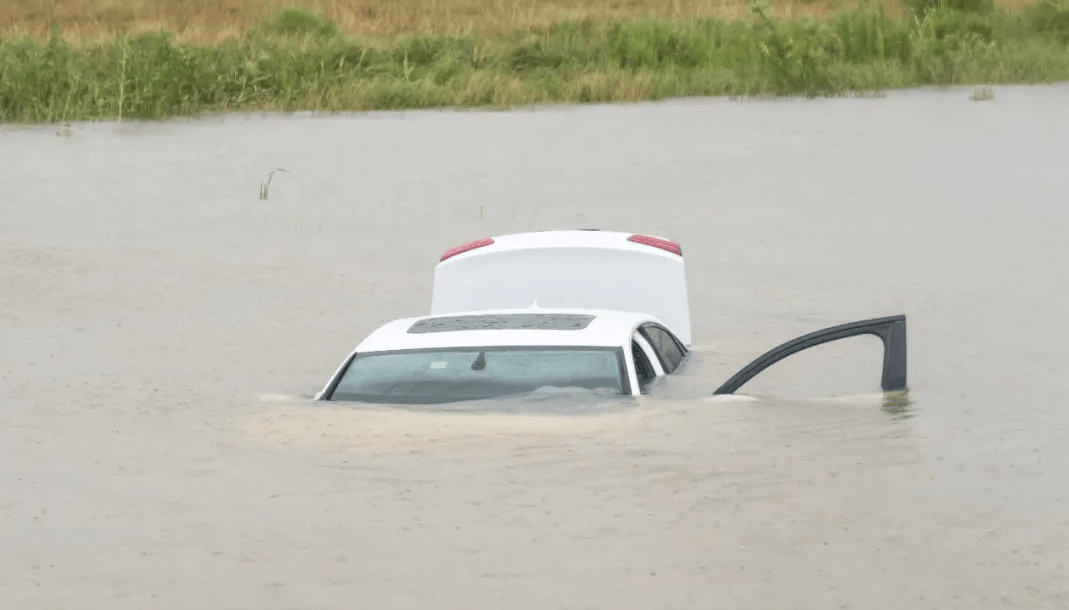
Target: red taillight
{"type": "Point", "coordinates": [657, 242]}
{"type": "Point", "coordinates": [455, 250]}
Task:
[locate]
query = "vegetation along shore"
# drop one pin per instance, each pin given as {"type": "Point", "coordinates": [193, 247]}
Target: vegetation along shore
{"type": "Point", "coordinates": [184, 57]}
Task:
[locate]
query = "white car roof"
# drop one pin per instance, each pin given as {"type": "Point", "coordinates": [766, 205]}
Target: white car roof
{"type": "Point", "coordinates": [582, 327]}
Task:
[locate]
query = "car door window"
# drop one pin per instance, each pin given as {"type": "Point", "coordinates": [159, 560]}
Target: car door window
{"type": "Point", "coordinates": [665, 345]}
{"type": "Point", "coordinates": [643, 368]}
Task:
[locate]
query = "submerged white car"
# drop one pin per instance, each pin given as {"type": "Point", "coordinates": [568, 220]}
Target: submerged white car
{"type": "Point", "coordinates": [489, 354]}
{"type": "Point", "coordinates": [596, 310]}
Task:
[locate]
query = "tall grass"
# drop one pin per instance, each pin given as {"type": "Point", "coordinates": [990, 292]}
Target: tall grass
{"type": "Point", "coordinates": [211, 21]}
{"type": "Point", "coordinates": [297, 60]}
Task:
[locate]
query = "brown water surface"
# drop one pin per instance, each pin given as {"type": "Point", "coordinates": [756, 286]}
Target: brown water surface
{"type": "Point", "coordinates": [161, 329]}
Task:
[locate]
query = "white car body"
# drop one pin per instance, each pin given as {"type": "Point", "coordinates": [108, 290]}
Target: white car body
{"type": "Point", "coordinates": [613, 329]}
{"type": "Point", "coordinates": [555, 273]}
{"type": "Point", "coordinates": [557, 308]}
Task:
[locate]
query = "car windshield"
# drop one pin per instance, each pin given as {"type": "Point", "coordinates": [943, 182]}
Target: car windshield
{"type": "Point", "coordinates": [449, 375]}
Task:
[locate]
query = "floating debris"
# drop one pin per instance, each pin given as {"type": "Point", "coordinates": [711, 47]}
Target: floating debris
{"type": "Point", "coordinates": [982, 94]}
{"type": "Point", "coordinates": [267, 183]}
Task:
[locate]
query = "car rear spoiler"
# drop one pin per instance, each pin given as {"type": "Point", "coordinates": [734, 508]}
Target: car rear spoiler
{"type": "Point", "coordinates": [891, 330]}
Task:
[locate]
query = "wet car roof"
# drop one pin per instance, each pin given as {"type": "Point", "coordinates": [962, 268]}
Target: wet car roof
{"type": "Point", "coordinates": [507, 327]}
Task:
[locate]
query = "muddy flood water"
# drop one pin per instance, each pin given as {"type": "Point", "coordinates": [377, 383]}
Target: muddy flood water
{"type": "Point", "coordinates": [162, 329]}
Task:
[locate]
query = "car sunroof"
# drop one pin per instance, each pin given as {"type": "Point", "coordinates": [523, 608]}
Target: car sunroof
{"type": "Point", "coordinates": [519, 321]}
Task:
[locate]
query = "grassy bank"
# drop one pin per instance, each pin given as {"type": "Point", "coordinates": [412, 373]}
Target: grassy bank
{"type": "Point", "coordinates": [295, 59]}
{"type": "Point", "coordinates": [212, 21]}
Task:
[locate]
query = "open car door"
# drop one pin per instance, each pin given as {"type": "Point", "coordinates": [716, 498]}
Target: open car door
{"type": "Point", "coordinates": [891, 330]}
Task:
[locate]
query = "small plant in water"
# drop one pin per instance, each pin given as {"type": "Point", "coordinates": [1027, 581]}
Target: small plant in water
{"type": "Point", "coordinates": [982, 94]}
{"type": "Point", "coordinates": [267, 183]}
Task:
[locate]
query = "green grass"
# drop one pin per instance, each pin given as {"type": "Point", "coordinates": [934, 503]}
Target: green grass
{"type": "Point", "coordinates": [298, 61]}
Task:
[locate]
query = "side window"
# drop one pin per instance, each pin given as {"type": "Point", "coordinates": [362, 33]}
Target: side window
{"type": "Point", "coordinates": [665, 346]}
{"type": "Point", "coordinates": [643, 368]}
